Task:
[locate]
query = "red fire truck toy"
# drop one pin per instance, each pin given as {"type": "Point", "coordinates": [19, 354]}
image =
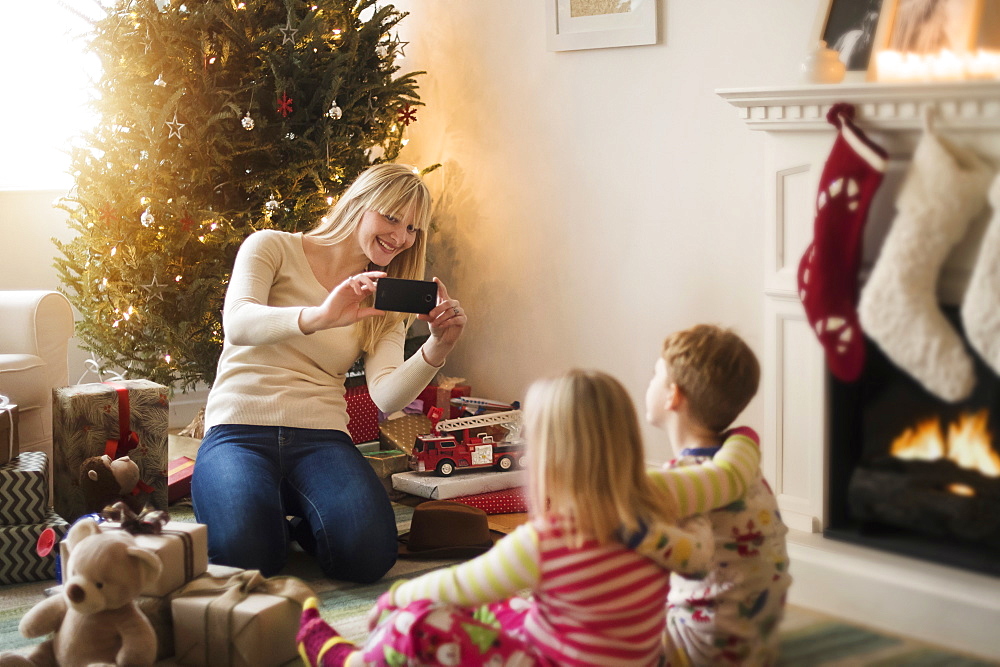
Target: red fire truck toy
{"type": "Point", "coordinates": [445, 453]}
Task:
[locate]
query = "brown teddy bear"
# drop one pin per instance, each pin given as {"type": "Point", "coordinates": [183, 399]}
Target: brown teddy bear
{"type": "Point", "coordinates": [105, 481]}
{"type": "Point", "coordinates": [94, 619]}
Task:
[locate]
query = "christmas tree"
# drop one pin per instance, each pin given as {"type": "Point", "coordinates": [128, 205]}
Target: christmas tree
{"type": "Point", "coordinates": [216, 118]}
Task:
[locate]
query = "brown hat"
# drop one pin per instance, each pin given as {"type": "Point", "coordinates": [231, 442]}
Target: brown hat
{"type": "Point", "coordinates": [444, 529]}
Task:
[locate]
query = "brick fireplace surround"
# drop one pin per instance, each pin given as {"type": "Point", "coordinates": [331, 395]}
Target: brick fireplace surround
{"type": "Point", "coordinates": [899, 594]}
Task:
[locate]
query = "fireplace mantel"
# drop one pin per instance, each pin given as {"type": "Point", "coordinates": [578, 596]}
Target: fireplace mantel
{"type": "Point", "coordinates": [879, 106]}
{"type": "Point", "coordinates": [937, 603]}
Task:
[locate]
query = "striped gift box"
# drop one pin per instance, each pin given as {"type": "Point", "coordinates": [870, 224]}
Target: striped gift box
{"type": "Point", "coordinates": [24, 489]}
{"type": "Point", "coordinates": [19, 559]}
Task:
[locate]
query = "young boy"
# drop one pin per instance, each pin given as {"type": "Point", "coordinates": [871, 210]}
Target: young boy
{"type": "Point", "coordinates": [703, 380]}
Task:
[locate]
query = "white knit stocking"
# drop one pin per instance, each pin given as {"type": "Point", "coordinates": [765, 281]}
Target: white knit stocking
{"type": "Point", "coordinates": [944, 188]}
{"type": "Point", "coordinates": [981, 305]}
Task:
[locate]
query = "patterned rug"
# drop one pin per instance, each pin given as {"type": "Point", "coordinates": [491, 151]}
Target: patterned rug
{"type": "Point", "coordinates": [808, 639]}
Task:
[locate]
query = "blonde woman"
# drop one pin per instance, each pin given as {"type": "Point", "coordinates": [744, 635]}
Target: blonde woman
{"type": "Point", "coordinates": [297, 315]}
{"type": "Point", "coordinates": [595, 599]}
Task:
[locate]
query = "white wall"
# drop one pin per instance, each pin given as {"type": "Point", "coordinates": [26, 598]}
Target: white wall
{"type": "Point", "coordinates": [595, 201]}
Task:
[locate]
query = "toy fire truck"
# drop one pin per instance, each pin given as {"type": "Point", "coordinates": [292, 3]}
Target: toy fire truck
{"type": "Point", "coordinates": [445, 453]}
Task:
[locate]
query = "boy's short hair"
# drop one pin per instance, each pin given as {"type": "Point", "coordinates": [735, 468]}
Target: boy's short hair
{"type": "Point", "coordinates": [717, 372]}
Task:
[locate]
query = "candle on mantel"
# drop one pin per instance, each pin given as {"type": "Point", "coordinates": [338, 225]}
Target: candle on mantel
{"type": "Point", "coordinates": [942, 66]}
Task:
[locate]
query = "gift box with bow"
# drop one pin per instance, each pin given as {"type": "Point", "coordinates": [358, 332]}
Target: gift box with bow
{"type": "Point", "coordinates": [128, 417]}
{"type": "Point", "coordinates": [440, 395]}
{"type": "Point", "coordinates": [241, 620]}
{"type": "Point", "coordinates": [181, 546]}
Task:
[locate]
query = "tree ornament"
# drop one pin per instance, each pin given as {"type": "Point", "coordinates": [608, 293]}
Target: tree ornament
{"type": "Point", "coordinates": [175, 127]}
{"type": "Point", "coordinates": [382, 50]}
{"type": "Point", "coordinates": [828, 271]}
{"type": "Point", "coordinates": [285, 104]}
{"type": "Point", "coordinates": [247, 122]}
{"type": "Point", "coordinates": [335, 112]}
{"type": "Point", "coordinates": [147, 219]}
{"type": "Point", "coordinates": [407, 114]}
{"type": "Point", "coordinates": [944, 188]}
{"type": "Point", "coordinates": [160, 82]}
{"type": "Point", "coordinates": [288, 33]}
{"type": "Point", "coordinates": [155, 289]}
{"type": "Point", "coordinates": [289, 136]}
{"type": "Point", "coordinates": [272, 204]}
{"type": "Point", "coordinates": [187, 222]}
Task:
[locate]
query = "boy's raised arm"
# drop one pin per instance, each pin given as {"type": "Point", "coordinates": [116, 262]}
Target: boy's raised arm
{"type": "Point", "coordinates": [715, 483]}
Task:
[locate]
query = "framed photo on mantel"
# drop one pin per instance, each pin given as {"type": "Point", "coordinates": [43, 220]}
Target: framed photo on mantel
{"type": "Point", "coordinates": [851, 28]}
{"type": "Point", "coordinates": [599, 24]}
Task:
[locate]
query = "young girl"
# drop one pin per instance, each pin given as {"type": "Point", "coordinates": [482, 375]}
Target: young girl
{"type": "Point", "coordinates": [594, 599]}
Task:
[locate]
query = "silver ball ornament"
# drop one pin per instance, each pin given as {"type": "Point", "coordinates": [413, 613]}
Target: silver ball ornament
{"type": "Point", "coordinates": [247, 122]}
{"type": "Point", "coordinates": [147, 219]}
{"type": "Point", "coordinates": [335, 112]}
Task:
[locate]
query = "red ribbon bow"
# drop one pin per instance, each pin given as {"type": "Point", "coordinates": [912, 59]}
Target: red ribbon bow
{"type": "Point", "coordinates": [127, 439]}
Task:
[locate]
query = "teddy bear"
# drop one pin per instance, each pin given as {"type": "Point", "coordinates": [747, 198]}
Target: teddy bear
{"type": "Point", "coordinates": [105, 481]}
{"type": "Point", "coordinates": [95, 619]}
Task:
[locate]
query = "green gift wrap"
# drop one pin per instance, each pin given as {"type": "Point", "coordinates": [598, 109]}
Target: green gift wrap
{"type": "Point", "coordinates": [125, 418]}
{"type": "Point", "coordinates": [19, 558]}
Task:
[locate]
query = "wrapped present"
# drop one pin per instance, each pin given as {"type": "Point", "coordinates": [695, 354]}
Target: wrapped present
{"type": "Point", "coordinates": [362, 414]}
{"type": "Point", "coordinates": [241, 620]}
{"type": "Point", "coordinates": [20, 560]}
{"type": "Point", "coordinates": [129, 417]}
{"type": "Point", "coordinates": [440, 395]}
{"type": "Point", "coordinates": [182, 547]}
{"type": "Point", "coordinates": [507, 501]}
{"type": "Point", "coordinates": [9, 445]}
{"type": "Point", "coordinates": [179, 478]}
{"type": "Point", "coordinates": [24, 489]}
{"type": "Point", "coordinates": [466, 483]}
{"type": "Point", "coordinates": [400, 433]}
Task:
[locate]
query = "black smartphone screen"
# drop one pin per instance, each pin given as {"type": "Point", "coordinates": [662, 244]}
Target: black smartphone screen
{"type": "Point", "coordinates": [406, 296]}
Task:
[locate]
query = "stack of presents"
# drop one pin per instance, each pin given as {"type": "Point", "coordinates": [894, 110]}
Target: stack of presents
{"type": "Point", "coordinates": [387, 441]}
{"type": "Point", "coordinates": [202, 614]}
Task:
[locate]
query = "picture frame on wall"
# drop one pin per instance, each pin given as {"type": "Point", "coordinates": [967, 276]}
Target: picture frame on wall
{"type": "Point", "coordinates": [599, 24]}
{"type": "Point", "coordinates": [929, 26]}
{"type": "Point", "coordinates": [850, 27]}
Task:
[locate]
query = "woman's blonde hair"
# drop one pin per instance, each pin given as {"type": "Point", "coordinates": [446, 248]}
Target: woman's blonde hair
{"type": "Point", "coordinates": [586, 457]}
{"type": "Point", "coordinates": [393, 190]}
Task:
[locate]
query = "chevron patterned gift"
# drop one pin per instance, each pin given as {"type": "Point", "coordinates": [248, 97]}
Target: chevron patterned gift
{"type": "Point", "coordinates": [126, 418]}
{"type": "Point", "coordinates": [19, 560]}
{"type": "Point", "coordinates": [24, 489]}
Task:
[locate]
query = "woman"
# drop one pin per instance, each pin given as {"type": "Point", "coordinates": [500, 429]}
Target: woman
{"type": "Point", "coordinates": [297, 315]}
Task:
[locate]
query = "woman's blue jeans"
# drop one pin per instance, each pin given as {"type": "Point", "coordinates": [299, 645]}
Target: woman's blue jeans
{"type": "Point", "coordinates": [248, 479]}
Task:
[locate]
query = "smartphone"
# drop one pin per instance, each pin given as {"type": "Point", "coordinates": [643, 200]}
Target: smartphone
{"type": "Point", "coordinates": [406, 296]}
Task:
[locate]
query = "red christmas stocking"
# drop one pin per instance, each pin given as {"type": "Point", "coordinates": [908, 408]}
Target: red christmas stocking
{"type": "Point", "coordinates": [828, 271]}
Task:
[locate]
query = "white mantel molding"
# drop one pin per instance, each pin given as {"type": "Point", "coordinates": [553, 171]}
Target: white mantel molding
{"type": "Point", "coordinates": [878, 106]}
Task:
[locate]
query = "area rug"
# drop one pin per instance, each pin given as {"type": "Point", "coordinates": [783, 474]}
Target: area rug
{"type": "Point", "coordinates": [808, 639]}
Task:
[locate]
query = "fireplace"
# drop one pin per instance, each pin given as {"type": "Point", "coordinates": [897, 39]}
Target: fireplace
{"type": "Point", "coordinates": [911, 474]}
{"type": "Point", "coordinates": [814, 432]}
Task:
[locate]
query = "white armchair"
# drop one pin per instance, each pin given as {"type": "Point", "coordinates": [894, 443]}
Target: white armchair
{"type": "Point", "coordinates": [35, 329]}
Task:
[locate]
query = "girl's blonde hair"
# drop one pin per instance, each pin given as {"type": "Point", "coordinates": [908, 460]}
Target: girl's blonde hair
{"type": "Point", "coordinates": [393, 190]}
{"type": "Point", "coordinates": [586, 457]}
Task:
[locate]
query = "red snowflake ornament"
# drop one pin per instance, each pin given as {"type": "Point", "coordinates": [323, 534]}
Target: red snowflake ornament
{"type": "Point", "coordinates": [107, 215]}
{"type": "Point", "coordinates": [285, 105]}
{"type": "Point", "coordinates": [187, 222]}
{"type": "Point", "coordinates": [407, 114]}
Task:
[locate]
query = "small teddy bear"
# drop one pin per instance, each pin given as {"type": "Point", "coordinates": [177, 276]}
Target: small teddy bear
{"type": "Point", "coordinates": [105, 481]}
{"type": "Point", "coordinates": [95, 619]}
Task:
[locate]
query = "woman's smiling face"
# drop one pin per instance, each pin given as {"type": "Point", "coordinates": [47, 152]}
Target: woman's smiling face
{"type": "Point", "coordinates": [382, 237]}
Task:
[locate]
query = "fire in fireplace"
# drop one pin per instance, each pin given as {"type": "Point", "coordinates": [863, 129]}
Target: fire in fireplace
{"type": "Point", "coordinates": [912, 474]}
